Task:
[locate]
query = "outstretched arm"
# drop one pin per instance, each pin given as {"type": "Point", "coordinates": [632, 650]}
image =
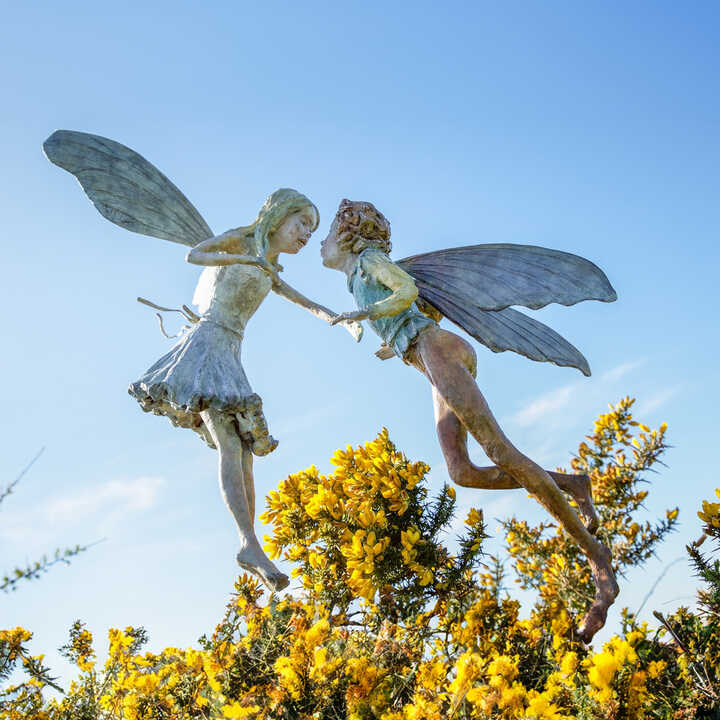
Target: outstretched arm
{"type": "Point", "coordinates": [384, 270]}
{"type": "Point", "coordinates": [291, 294]}
{"type": "Point", "coordinates": [230, 248]}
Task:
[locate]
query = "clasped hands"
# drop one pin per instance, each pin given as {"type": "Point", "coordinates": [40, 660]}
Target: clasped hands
{"type": "Point", "coordinates": [347, 320]}
{"type": "Point", "coordinates": [354, 316]}
{"type": "Point", "coordinates": [351, 321]}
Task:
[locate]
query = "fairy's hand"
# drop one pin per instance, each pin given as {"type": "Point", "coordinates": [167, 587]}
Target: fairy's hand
{"type": "Point", "coordinates": [354, 328]}
{"type": "Point", "coordinates": [270, 269]}
{"type": "Point", "coordinates": [355, 315]}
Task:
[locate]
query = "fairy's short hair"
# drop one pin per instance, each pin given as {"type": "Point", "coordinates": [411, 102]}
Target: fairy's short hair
{"type": "Point", "coordinates": [360, 225]}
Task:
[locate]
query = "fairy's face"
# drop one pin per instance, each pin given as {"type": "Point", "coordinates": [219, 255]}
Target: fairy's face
{"type": "Point", "coordinates": [333, 256]}
{"type": "Point", "coordinates": [294, 231]}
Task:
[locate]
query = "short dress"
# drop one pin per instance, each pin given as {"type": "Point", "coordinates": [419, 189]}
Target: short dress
{"type": "Point", "coordinates": [397, 331]}
{"type": "Point", "coordinates": [204, 369]}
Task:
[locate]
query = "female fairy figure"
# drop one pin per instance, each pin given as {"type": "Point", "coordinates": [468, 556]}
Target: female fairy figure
{"type": "Point", "coordinates": [474, 287]}
{"type": "Point", "coordinates": [200, 383]}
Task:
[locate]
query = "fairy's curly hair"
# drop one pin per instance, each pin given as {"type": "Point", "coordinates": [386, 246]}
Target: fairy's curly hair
{"type": "Point", "coordinates": [360, 225]}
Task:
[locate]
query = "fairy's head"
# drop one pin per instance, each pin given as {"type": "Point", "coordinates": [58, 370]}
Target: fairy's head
{"type": "Point", "coordinates": [285, 222]}
{"type": "Point", "coordinates": [356, 227]}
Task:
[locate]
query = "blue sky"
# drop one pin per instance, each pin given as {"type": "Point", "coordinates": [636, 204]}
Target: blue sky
{"type": "Point", "coordinates": [589, 128]}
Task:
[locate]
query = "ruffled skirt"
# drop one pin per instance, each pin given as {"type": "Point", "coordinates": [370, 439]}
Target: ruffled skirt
{"type": "Point", "coordinates": [203, 371]}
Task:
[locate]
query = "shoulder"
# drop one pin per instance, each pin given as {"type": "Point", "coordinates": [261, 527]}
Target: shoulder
{"type": "Point", "coordinates": [373, 259]}
{"type": "Point", "coordinates": [245, 244]}
{"type": "Point", "coordinates": [378, 264]}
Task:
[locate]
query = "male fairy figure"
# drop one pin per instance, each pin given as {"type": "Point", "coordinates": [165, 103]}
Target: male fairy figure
{"type": "Point", "coordinates": [358, 244]}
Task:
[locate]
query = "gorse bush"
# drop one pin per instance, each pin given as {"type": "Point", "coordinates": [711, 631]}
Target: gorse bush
{"type": "Point", "coordinates": [390, 624]}
{"type": "Point", "coordinates": [616, 456]}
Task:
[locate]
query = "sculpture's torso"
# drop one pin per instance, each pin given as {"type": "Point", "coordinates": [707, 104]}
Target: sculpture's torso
{"type": "Point", "coordinates": [397, 331]}
{"type": "Point", "coordinates": [204, 369]}
{"type": "Point", "coordinates": [236, 292]}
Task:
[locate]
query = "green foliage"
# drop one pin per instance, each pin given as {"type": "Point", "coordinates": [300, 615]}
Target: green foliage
{"type": "Point", "coordinates": [391, 625]}
{"type": "Point", "coordinates": [615, 456]}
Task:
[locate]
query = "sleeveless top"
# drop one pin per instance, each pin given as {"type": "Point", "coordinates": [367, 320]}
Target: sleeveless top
{"type": "Point", "coordinates": [397, 331]}
{"type": "Point", "coordinates": [231, 294]}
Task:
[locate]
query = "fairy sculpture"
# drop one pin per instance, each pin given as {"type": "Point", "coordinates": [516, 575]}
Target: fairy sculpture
{"type": "Point", "coordinates": [474, 287]}
{"type": "Point", "coordinates": [200, 384]}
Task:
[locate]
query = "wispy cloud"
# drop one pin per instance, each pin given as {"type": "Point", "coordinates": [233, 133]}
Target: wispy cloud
{"type": "Point", "coordinates": [658, 400]}
{"type": "Point", "coordinates": [621, 370]}
{"type": "Point", "coordinates": [106, 505]}
{"type": "Point", "coordinates": [578, 394]}
{"type": "Point", "coordinates": [546, 404]}
{"type": "Point", "coordinates": [545, 424]}
{"type": "Point", "coordinates": [122, 496]}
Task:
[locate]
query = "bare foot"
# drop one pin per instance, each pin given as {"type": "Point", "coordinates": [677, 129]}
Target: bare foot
{"type": "Point", "coordinates": [605, 593]}
{"type": "Point", "coordinates": [256, 562]}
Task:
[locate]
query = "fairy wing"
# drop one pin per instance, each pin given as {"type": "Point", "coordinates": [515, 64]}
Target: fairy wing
{"type": "Point", "coordinates": [475, 286]}
{"type": "Point", "coordinates": [508, 329]}
{"type": "Point", "coordinates": [127, 189]}
{"type": "Point", "coordinates": [496, 276]}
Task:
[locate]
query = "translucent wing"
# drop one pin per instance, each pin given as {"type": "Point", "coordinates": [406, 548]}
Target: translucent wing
{"type": "Point", "coordinates": [496, 276]}
{"type": "Point", "coordinates": [475, 286]}
{"type": "Point", "coordinates": [507, 329]}
{"type": "Point", "coordinates": [127, 189]}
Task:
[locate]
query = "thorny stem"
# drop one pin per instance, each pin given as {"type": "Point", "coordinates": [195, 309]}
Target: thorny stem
{"type": "Point", "coordinates": [703, 683]}
{"type": "Point", "coordinates": [10, 487]}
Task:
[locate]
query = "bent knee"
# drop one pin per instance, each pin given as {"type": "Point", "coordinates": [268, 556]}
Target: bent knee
{"type": "Point", "coordinates": [458, 349]}
{"type": "Point", "coordinates": [506, 456]}
{"type": "Point", "coordinates": [465, 353]}
{"type": "Point", "coordinates": [463, 478]}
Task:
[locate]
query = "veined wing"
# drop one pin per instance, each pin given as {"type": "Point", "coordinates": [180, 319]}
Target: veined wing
{"type": "Point", "coordinates": [496, 276]}
{"type": "Point", "coordinates": [508, 329]}
{"type": "Point", "coordinates": [127, 189]}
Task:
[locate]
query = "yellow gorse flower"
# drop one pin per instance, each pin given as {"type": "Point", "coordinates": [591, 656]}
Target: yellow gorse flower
{"type": "Point", "coordinates": [474, 517]}
{"type": "Point", "coordinates": [389, 624]}
{"type": "Point", "coordinates": [710, 513]}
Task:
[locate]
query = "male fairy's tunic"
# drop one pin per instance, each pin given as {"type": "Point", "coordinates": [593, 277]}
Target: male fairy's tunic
{"type": "Point", "coordinates": [397, 331]}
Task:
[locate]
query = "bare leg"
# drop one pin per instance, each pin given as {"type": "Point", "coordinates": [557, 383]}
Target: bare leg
{"type": "Point", "coordinates": [453, 441]}
{"type": "Point", "coordinates": [249, 480]}
{"type": "Point", "coordinates": [235, 474]}
{"type": "Point", "coordinates": [449, 363]}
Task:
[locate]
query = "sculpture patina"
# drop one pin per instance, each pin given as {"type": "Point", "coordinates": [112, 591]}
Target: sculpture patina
{"type": "Point", "coordinates": [200, 383]}
{"type": "Point", "coordinates": [474, 287]}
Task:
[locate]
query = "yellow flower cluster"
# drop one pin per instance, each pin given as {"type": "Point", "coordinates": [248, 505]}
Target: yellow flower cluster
{"type": "Point", "coordinates": [133, 676]}
{"type": "Point", "coordinates": [604, 671]}
{"type": "Point", "coordinates": [306, 660]}
{"type": "Point", "coordinates": [361, 553]}
{"type": "Point", "coordinates": [614, 456]}
{"type": "Point", "coordinates": [340, 525]}
{"type": "Point", "coordinates": [14, 638]}
{"type": "Point", "coordinates": [390, 625]}
{"type": "Point", "coordinates": [490, 686]}
{"type": "Point", "coordinates": [710, 513]}
{"type": "Point", "coordinates": [410, 539]}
